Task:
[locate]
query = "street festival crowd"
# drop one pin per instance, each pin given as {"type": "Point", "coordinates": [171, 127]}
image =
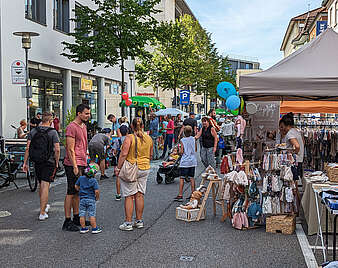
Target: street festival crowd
{"type": "Point", "coordinates": [132, 148]}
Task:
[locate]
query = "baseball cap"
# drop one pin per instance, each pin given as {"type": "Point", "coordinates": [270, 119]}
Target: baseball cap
{"type": "Point", "coordinates": [191, 113]}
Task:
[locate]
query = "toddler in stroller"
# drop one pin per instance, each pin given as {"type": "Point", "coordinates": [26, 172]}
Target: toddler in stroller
{"type": "Point", "coordinates": [169, 167]}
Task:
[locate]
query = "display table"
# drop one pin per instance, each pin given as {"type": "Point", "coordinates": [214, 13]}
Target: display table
{"type": "Point", "coordinates": [309, 207]}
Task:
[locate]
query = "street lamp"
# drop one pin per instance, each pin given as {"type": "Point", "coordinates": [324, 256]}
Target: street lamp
{"type": "Point", "coordinates": [26, 45]}
{"type": "Point", "coordinates": [131, 78]}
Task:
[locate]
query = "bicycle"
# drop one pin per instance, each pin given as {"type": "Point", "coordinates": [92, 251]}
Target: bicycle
{"type": "Point", "coordinates": [11, 162]}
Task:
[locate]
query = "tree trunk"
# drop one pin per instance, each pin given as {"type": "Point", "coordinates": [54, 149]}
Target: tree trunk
{"type": "Point", "coordinates": [175, 98]}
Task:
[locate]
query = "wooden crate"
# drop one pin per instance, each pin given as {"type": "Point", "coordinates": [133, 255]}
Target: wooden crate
{"type": "Point", "coordinates": [332, 173]}
{"type": "Point", "coordinates": [188, 214]}
{"type": "Point", "coordinates": [285, 224]}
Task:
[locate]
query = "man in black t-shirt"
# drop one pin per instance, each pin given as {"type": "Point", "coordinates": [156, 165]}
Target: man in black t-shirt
{"type": "Point", "coordinates": [191, 121]}
{"type": "Point", "coordinates": [36, 121]}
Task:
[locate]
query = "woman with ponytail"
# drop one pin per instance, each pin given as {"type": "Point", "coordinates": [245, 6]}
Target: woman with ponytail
{"type": "Point", "coordinates": [141, 144]}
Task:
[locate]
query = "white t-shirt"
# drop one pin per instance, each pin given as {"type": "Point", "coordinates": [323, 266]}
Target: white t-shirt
{"type": "Point", "coordinates": [294, 134]}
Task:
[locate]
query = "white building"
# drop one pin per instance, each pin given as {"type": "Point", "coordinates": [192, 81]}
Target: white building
{"type": "Point", "coordinates": [58, 84]}
{"type": "Point", "coordinates": [332, 7]}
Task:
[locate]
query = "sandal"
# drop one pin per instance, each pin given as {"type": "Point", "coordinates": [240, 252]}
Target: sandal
{"type": "Point", "coordinates": [178, 198]}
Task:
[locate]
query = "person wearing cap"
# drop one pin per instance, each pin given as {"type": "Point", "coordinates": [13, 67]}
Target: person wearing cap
{"type": "Point", "coordinates": [36, 120]}
{"type": "Point", "coordinates": [191, 121]}
{"type": "Point", "coordinates": [96, 149]}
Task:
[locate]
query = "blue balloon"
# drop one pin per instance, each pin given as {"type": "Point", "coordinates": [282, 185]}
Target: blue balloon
{"type": "Point", "coordinates": [233, 102]}
{"type": "Point", "coordinates": [226, 89]}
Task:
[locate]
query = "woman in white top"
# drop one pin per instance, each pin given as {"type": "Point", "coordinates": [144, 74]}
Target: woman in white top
{"type": "Point", "coordinates": [294, 141]}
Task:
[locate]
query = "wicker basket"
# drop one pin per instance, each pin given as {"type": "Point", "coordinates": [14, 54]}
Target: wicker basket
{"type": "Point", "coordinates": [332, 173]}
{"type": "Point", "coordinates": [285, 224]}
{"type": "Point", "coordinates": [188, 214]}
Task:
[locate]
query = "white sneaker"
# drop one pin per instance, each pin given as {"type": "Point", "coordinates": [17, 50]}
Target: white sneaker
{"type": "Point", "coordinates": [47, 208]}
{"type": "Point", "coordinates": [43, 217]}
{"type": "Point", "coordinates": [126, 227]}
{"type": "Point", "coordinates": [138, 224]}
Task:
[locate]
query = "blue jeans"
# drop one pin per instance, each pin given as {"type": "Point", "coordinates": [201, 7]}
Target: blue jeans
{"type": "Point", "coordinates": [168, 143]}
{"type": "Point", "coordinates": [155, 147]}
{"type": "Point", "coordinates": [87, 205]}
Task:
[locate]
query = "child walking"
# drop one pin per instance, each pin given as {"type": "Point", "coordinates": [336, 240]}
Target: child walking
{"type": "Point", "coordinates": [89, 193]}
{"type": "Point", "coordinates": [188, 161]}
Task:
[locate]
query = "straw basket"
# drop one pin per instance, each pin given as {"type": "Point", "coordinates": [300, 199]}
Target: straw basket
{"type": "Point", "coordinates": [332, 173]}
{"type": "Point", "coordinates": [285, 224]}
{"type": "Point", "coordinates": [188, 214]}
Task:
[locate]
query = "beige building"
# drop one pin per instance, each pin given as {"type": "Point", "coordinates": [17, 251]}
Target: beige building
{"type": "Point", "coordinates": [302, 29]}
{"type": "Point", "coordinates": [171, 10]}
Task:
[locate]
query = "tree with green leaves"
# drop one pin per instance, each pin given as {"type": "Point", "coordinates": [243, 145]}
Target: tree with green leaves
{"type": "Point", "coordinates": [116, 30]}
{"type": "Point", "coordinates": [176, 55]}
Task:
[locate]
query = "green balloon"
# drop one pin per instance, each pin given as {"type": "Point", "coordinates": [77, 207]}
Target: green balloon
{"type": "Point", "coordinates": [242, 105]}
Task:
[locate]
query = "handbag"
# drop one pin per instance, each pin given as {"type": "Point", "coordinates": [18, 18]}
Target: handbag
{"type": "Point", "coordinates": [128, 172]}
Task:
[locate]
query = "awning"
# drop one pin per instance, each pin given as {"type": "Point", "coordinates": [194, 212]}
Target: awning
{"type": "Point", "coordinates": [310, 73]}
{"type": "Point", "coordinates": [309, 107]}
{"type": "Point", "coordinates": [144, 102]}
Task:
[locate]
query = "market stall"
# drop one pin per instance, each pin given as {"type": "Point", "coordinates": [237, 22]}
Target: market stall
{"type": "Point", "coordinates": [304, 79]}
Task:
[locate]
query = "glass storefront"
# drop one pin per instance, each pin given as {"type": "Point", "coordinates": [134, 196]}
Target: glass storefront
{"type": "Point", "coordinates": [86, 97]}
{"type": "Point", "coordinates": [46, 96]}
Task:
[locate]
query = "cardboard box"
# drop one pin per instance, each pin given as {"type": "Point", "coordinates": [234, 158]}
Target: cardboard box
{"type": "Point", "coordinates": [188, 214]}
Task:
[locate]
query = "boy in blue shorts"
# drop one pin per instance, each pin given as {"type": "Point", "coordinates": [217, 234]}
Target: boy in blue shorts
{"type": "Point", "coordinates": [89, 193]}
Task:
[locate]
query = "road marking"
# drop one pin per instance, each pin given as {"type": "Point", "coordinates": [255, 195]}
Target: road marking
{"type": "Point", "coordinates": [186, 258]}
{"type": "Point", "coordinates": [14, 231]}
{"type": "Point", "coordinates": [305, 246]}
{"type": "Point", "coordinates": [5, 213]}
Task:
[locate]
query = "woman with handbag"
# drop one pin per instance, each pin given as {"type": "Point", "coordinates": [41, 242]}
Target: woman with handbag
{"type": "Point", "coordinates": [133, 170]}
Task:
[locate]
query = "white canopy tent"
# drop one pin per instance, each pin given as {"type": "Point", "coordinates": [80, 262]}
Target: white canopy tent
{"type": "Point", "coordinates": [310, 73]}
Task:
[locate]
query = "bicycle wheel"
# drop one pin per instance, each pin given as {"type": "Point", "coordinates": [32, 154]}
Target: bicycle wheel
{"type": "Point", "coordinates": [32, 179]}
{"type": "Point", "coordinates": [4, 175]}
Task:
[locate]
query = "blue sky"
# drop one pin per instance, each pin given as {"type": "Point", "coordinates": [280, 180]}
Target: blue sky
{"type": "Point", "coordinates": [252, 28]}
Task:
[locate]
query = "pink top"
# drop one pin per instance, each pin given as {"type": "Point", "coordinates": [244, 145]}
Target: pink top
{"type": "Point", "coordinates": [170, 125]}
{"type": "Point", "coordinates": [80, 135]}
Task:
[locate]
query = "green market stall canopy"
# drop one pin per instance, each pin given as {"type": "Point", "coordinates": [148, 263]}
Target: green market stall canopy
{"type": "Point", "coordinates": [144, 102]}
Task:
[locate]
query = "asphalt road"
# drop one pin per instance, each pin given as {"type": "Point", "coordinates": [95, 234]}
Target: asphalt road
{"type": "Point", "coordinates": [164, 242]}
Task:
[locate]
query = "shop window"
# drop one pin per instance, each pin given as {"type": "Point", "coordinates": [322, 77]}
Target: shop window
{"type": "Point", "coordinates": [61, 15]}
{"type": "Point", "coordinates": [36, 10]}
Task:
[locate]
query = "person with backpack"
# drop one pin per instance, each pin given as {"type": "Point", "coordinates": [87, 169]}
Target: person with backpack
{"type": "Point", "coordinates": [43, 149]}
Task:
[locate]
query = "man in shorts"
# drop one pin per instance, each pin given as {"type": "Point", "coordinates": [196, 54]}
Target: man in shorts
{"type": "Point", "coordinates": [44, 170]}
{"type": "Point", "coordinates": [75, 162]}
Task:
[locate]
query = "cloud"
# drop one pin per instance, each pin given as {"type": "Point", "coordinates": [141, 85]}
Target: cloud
{"type": "Point", "coordinates": [249, 27]}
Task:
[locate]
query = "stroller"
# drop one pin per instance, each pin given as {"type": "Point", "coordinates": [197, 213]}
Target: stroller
{"type": "Point", "coordinates": [170, 172]}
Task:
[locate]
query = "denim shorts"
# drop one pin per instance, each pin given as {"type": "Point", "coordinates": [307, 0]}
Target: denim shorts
{"type": "Point", "coordinates": [87, 205]}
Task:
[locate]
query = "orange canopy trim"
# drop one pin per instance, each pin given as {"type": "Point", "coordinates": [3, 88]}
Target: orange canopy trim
{"type": "Point", "coordinates": [309, 107]}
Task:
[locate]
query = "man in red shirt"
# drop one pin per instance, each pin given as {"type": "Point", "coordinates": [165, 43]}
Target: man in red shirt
{"type": "Point", "coordinates": [75, 163]}
{"type": "Point", "coordinates": [169, 137]}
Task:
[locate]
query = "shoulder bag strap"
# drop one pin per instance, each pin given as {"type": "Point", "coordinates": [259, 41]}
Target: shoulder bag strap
{"type": "Point", "coordinates": [135, 146]}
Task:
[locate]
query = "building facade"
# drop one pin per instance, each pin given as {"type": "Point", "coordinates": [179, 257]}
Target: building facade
{"type": "Point", "coordinates": [242, 63]}
{"type": "Point", "coordinates": [58, 84]}
{"type": "Point", "coordinates": [304, 28]}
{"type": "Point", "coordinates": [172, 10]}
{"type": "Point", "coordinates": [332, 7]}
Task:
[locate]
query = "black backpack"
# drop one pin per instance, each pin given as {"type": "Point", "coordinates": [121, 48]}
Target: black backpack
{"type": "Point", "coordinates": [41, 146]}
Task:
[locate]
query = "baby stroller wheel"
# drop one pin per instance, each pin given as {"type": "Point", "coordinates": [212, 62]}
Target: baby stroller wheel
{"type": "Point", "coordinates": [159, 179]}
{"type": "Point", "coordinates": [169, 179]}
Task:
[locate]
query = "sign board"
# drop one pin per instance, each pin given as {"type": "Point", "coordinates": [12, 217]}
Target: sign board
{"type": "Point", "coordinates": [184, 97]}
{"type": "Point", "coordinates": [18, 72]}
{"type": "Point", "coordinates": [86, 85]}
{"type": "Point", "coordinates": [321, 26]}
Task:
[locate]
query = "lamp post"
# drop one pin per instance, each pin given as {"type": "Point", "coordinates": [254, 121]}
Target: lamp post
{"type": "Point", "coordinates": [26, 45]}
{"type": "Point", "coordinates": [131, 78]}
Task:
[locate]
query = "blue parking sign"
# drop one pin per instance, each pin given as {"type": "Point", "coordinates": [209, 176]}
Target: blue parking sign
{"type": "Point", "coordinates": [185, 97]}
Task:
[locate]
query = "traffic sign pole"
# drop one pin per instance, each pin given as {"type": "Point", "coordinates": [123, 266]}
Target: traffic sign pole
{"type": "Point", "coordinates": [27, 92]}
